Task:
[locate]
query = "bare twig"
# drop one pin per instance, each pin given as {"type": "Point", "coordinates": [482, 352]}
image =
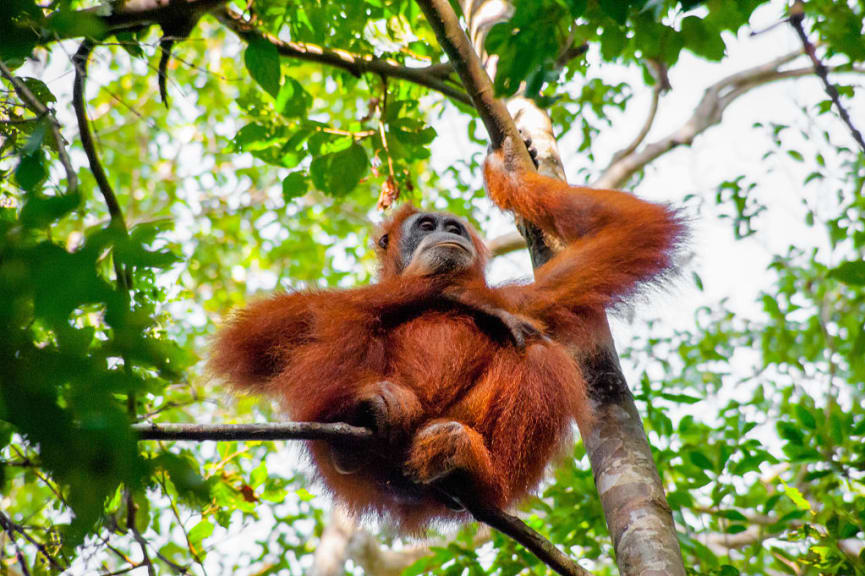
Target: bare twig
{"type": "Point", "coordinates": [142, 542]}
{"type": "Point", "coordinates": [506, 243]}
{"type": "Point", "coordinates": [797, 15]}
{"type": "Point", "coordinates": [32, 102]}
{"type": "Point", "coordinates": [165, 46]}
{"type": "Point", "coordinates": [253, 432]}
{"type": "Point", "coordinates": [647, 124]}
{"type": "Point", "coordinates": [79, 61]}
{"type": "Point", "coordinates": [430, 76]}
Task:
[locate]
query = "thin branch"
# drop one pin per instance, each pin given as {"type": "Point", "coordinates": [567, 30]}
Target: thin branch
{"type": "Point", "coordinates": [506, 243]}
{"type": "Point", "coordinates": [142, 542]}
{"type": "Point", "coordinates": [135, 13]}
{"type": "Point", "coordinates": [512, 526]}
{"type": "Point", "coordinates": [32, 102]}
{"type": "Point", "coordinates": [647, 124]}
{"type": "Point", "coordinates": [79, 61]}
{"type": "Point", "coordinates": [253, 432]}
{"type": "Point", "coordinates": [25, 571]}
{"type": "Point", "coordinates": [797, 15]}
{"type": "Point", "coordinates": [357, 64]}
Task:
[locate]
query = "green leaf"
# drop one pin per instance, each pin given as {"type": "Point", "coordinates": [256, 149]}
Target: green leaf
{"type": "Point", "coordinates": [294, 186]}
{"type": "Point", "coordinates": [337, 174]}
{"type": "Point", "coordinates": [72, 23]}
{"type": "Point", "coordinates": [200, 531]}
{"type": "Point", "coordinates": [292, 101]}
{"type": "Point", "coordinates": [700, 460]}
{"type": "Point", "coordinates": [615, 9]}
{"type": "Point", "coordinates": [40, 211]}
{"type": "Point", "coordinates": [262, 61]}
{"type": "Point", "coordinates": [702, 39]}
{"type": "Point", "coordinates": [304, 495]}
{"type": "Point", "coordinates": [791, 433]}
{"type": "Point", "coordinates": [733, 515]}
{"type": "Point", "coordinates": [852, 273]}
{"type": "Point", "coordinates": [258, 475]}
{"type": "Point", "coordinates": [681, 398]}
{"type": "Point", "coordinates": [19, 29]}
{"type": "Point", "coordinates": [805, 417]}
{"type": "Point", "coordinates": [39, 89]}
{"type": "Point", "coordinates": [31, 171]}
{"type": "Point", "coordinates": [796, 496]}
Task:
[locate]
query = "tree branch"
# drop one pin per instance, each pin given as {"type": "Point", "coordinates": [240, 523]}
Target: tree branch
{"type": "Point", "coordinates": [797, 15]}
{"type": "Point", "coordinates": [341, 432]}
{"type": "Point", "coordinates": [79, 61]}
{"type": "Point", "coordinates": [135, 13]}
{"type": "Point", "coordinates": [708, 112]}
{"type": "Point", "coordinates": [32, 102]}
{"type": "Point", "coordinates": [430, 76]}
{"type": "Point", "coordinates": [464, 59]}
{"type": "Point", "coordinates": [505, 244]}
{"type": "Point", "coordinates": [647, 124]}
{"type": "Point", "coordinates": [531, 540]}
{"type": "Point", "coordinates": [253, 432]}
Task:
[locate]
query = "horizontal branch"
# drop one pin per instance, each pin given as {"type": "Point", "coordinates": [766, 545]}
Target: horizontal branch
{"type": "Point", "coordinates": [357, 64]}
{"type": "Point", "coordinates": [135, 13]}
{"type": "Point", "coordinates": [341, 432]}
{"type": "Point", "coordinates": [253, 432]}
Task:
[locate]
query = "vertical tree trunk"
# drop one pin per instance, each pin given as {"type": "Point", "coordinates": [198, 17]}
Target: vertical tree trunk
{"type": "Point", "coordinates": [631, 493]}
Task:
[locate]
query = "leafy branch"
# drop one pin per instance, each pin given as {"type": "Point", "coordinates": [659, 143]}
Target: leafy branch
{"type": "Point", "coordinates": [433, 77]}
{"type": "Point", "coordinates": [42, 111]}
{"type": "Point", "coordinates": [797, 15]}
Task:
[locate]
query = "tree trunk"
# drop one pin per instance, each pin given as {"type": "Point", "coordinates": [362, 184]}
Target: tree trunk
{"type": "Point", "coordinates": [631, 493]}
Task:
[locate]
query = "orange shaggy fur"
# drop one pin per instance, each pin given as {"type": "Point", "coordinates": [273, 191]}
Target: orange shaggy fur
{"type": "Point", "coordinates": [457, 397]}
